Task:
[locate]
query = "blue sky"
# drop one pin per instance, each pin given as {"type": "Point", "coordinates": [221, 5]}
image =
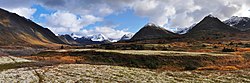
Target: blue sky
{"type": "Point", "coordinates": [125, 20]}
{"type": "Point", "coordinates": [114, 18]}
{"type": "Point", "coordinates": [40, 10]}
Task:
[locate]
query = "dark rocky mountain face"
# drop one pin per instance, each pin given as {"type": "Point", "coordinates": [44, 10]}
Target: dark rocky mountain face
{"type": "Point", "coordinates": [211, 28]}
{"type": "Point", "coordinates": [152, 31]}
{"type": "Point", "coordinates": [83, 40]}
{"type": "Point", "coordinates": [17, 30]}
{"type": "Point", "coordinates": [67, 39]}
{"type": "Point", "coordinates": [241, 23]}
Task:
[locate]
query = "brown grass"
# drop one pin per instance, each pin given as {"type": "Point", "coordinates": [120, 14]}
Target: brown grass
{"type": "Point", "coordinates": [243, 49]}
{"type": "Point", "coordinates": [218, 68]}
{"type": "Point", "coordinates": [179, 44]}
{"type": "Point", "coordinates": [5, 22]}
{"type": "Point", "coordinates": [174, 62]}
{"type": "Point", "coordinates": [201, 50]}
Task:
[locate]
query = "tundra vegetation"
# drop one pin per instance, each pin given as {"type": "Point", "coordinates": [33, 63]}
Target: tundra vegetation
{"type": "Point", "coordinates": [173, 62]}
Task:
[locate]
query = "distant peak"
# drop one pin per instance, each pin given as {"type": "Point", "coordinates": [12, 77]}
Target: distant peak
{"type": "Point", "coordinates": [127, 36]}
{"type": "Point", "coordinates": [234, 20]}
{"type": "Point", "coordinates": [151, 24]}
{"type": "Point", "coordinates": [234, 17]}
{"type": "Point", "coordinates": [211, 16]}
{"type": "Point", "coordinates": [99, 37]}
{"type": "Point", "coordinates": [238, 18]}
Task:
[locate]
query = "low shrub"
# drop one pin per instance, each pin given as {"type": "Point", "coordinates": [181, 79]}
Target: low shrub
{"type": "Point", "coordinates": [215, 47]}
{"type": "Point", "coordinates": [231, 43]}
{"type": "Point", "coordinates": [228, 50]}
{"type": "Point", "coordinates": [247, 45]}
{"type": "Point", "coordinates": [247, 56]}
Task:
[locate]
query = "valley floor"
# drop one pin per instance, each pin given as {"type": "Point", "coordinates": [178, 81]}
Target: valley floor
{"type": "Point", "coordinates": [78, 73]}
{"type": "Point", "coordinates": [97, 65]}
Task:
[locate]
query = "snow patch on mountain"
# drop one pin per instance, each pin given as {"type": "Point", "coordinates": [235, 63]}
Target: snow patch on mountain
{"type": "Point", "coordinates": [74, 36]}
{"type": "Point", "coordinates": [210, 15]}
{"type": "Point", "coordinates": [127, 36]}
{"type": "Point", "coordinates": [151, 24]}
{"type": "Point", "coordinates": [114, 40]}
{"type": "Point", "coordinates": [183, 30]}
{"type": "Point", "coordinates": [99, 37]}
{"type": "Point", "coordinates": [235, 20]}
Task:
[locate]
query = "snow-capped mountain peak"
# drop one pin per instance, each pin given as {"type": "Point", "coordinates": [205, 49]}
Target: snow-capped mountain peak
{"type": "Point", "coordinates": [151, 24]}
{"type": "Point", "coordinates": [127, 36]}
{"type": "Point", "coordinates": [210, 15]}
{"type": "Point", "coordinates": [99, 37]}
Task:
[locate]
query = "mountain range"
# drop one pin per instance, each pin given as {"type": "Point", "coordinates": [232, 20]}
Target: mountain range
{"type": "Point", "coordinates": [209, 28]}
{"type": "Point", "coordinates": [17, 30]}
{"type": "Point", "coordinates": [95, 39]}
{"type": "Point", "coordinates": [241, 23]}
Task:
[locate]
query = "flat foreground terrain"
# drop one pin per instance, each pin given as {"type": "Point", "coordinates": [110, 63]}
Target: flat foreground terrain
{"type": "Point", "coordinates": [97, 65]}
{"type": "Point", "coordinates": [72, 73]}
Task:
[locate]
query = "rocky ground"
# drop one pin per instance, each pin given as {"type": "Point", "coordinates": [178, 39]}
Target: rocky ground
{"type": "Point", "coordinates": [12, 59]}
{"type": "Point", "coordinates": [79, 73]}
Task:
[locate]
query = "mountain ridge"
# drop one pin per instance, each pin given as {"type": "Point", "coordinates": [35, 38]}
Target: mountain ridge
{"type": "Point", "coordinates": [17, 30]}
{"type": "Point", "coordinates": [152, 31]}
{"type": "Point", "coordinates": [241, 23]}
{"type": "Point", "coordinates": [211, 28]}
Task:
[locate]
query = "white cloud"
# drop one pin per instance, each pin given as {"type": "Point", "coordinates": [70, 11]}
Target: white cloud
{"type": "Point", "coordinates": [169, 13]}
{"type": "Point", "coordinates": [90, 19]}
{"type": "Point", "coordinates": [155, 10]}
{"type": "Point", "coordinates": [21, 7]}
{"type": "Point", "coordinates": [108, 31]}
{"type": "Point", "coordinates": [65, 22]}
{"type": "Point", "coordinates": [243, 11]}
{"type": "Point", "coordinates": [25, 12]}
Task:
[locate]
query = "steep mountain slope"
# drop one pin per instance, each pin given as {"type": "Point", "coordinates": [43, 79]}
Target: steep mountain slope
{"type": "Point", "coordinates": [152, 31]}
{"type": "Point", "coordinates": [67, 39]}
{"type": "Point", "coordinates": [241, 23]}
{"type": "Point", "coordinates": [17, 30]}
{"type": "Point", "coordinates": [212, 28]}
